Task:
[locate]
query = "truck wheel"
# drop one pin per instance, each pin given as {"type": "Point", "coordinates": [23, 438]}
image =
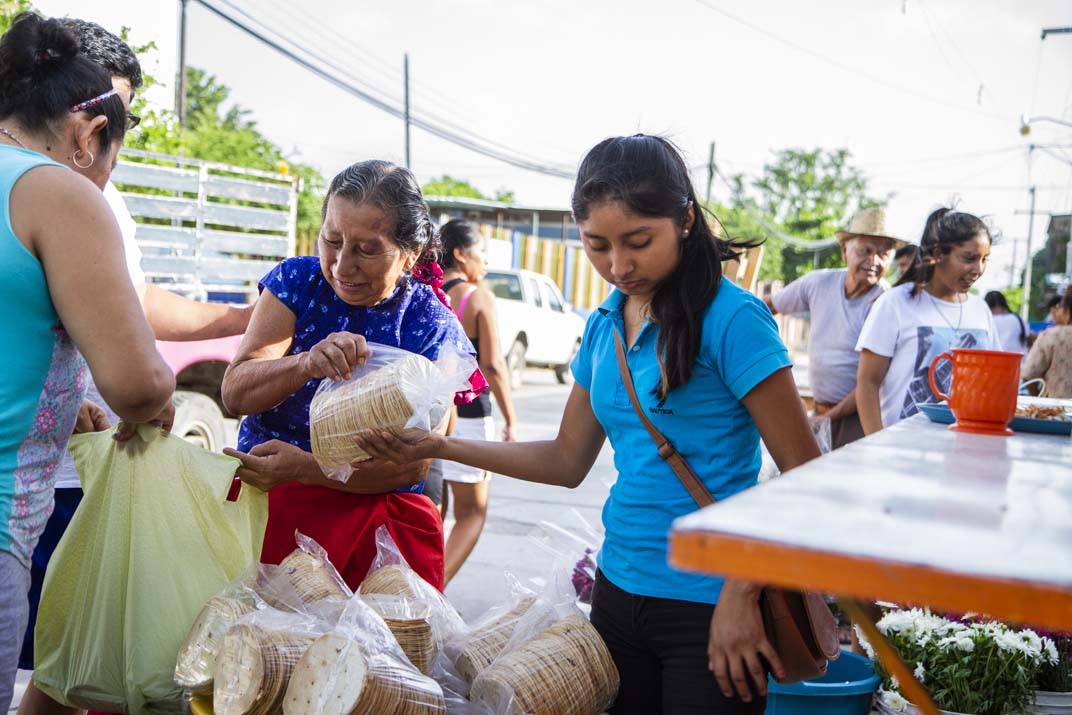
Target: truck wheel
{"type": "Point", "coordinates": [198, 420]}
{"type": "Point", "coordinates": [515, 363]}
{"type": "Point", "coordinates": [562, 372]}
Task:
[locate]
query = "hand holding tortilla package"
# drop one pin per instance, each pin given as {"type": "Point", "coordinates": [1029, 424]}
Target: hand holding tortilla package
{"type": "Point", "coordinates": [395, 391]}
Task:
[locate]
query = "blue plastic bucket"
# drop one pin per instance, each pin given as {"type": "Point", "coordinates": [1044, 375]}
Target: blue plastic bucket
{"type": "Point", "coordinates": [846, 689]}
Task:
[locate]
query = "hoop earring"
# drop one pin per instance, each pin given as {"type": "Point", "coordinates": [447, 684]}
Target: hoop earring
{"type": "Point", "coordinates": [75, 159]}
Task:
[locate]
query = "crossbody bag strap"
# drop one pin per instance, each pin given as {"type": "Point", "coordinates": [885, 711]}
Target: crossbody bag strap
{"type": "Point", "coordinates": [670, 455]}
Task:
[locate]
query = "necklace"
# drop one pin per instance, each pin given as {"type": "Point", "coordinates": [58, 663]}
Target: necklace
{"type": "Point", "coordinates": [960, 315]}
{"type": "Point", "coordinates": [12, 137]}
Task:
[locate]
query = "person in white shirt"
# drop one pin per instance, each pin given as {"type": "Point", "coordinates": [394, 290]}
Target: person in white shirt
{"type": "Point", "coordinates": [1012, 333]}
{"type": "Point", "coordinates": [927, 312]}
{"type": "Point", "coordinates": [839, 300]}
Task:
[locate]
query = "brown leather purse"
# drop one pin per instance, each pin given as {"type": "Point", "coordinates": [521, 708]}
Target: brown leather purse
{"type": "Point", "coordinates": [799, 625]}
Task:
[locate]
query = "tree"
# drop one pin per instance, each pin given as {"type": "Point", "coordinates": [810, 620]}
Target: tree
{"type": "Point", "coordinates": [215, 132]}
{"type": "Point", "coordinates": [9, 9]}
{"type": "Point", "coordinates": [447, 185]}
{"type": "Point", "coordinates": [809, 195]}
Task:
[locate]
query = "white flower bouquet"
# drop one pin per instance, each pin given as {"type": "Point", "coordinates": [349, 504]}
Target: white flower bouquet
{"type": "Point", "coordinates": [971, 667]}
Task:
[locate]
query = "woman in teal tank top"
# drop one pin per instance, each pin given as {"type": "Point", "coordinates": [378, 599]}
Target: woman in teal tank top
{"type": "Point", "coordinates": [65, 289]}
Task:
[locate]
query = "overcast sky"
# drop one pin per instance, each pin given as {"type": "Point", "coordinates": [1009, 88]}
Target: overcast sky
{"type": "Point", "coordinates": [927, 94]}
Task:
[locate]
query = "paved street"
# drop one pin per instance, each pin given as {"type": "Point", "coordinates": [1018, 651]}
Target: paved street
{"type": "Point", "coordinates": [517, 508]}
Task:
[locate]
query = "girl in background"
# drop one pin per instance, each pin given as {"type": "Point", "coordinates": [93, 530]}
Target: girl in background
{"type": "Point", "coordinates": [462, 259]}
{"type": "Point", "coordinates": [928, 311]}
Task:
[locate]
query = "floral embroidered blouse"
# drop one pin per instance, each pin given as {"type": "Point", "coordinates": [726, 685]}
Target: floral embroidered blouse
{"type": "Point", "coordinates": [412, 318]}
{"type": "Point", "coordinates": [1051, 359]}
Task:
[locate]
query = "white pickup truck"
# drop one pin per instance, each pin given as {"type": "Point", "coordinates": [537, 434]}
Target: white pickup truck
{"type": "Point", "coordinates": [537, 327]}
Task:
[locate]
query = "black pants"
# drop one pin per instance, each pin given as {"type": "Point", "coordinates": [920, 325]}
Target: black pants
{"type": "Point", "coordinates": [660, 648]}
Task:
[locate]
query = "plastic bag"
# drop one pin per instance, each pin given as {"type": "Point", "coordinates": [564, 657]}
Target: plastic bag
{"type": "Point", "coordinates": [820, 427]}
{"type": "Point", "coordinates": [311, 573]}
{"type": "Point", "coordinates": [153, 539]}
{"type": "Point", "coordinates": [564, 544]}
{"type": "Point", "coordinates": [305, 582]}
{"type": "Point", "coordinates": [390, 575]}
{"type": "Point", "coordinates": [257, 657]}
{"type": "Point", "coordinates": [474, 649]}
{"type": "Point", "coordinates": [359, 667]}
{"type": "Point", "coordinates": [395, 390]}
{"type": "Point", "coordinates": [554, 662]}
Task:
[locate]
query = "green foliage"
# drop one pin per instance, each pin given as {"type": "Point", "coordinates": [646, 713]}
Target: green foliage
{"type": "Point", "coordinates": [216, 132]}
{"type": "Point", "coordinates": [733, 223]}
{"type": "Point", "coordinates": [9, 9]}
{"type": "Point", "coordinates": [1014, 297]}
{"type": "Point", "coordinates": [982, 668]}
{"type": "Point", "coordinates": [808, 195]}
{"type": "Point", "coordinates": [1057, 677]}
{"type": "Point", "coordinates": [1038, 285]}
{"type": "Point", "coordinates": [447, 185]}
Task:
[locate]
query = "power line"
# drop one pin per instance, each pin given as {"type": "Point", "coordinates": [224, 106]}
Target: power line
{"type": "Point", "coordinates": [846, 67]}
{"type": "Point", "coordinates": [347, 48]}
{"type": "Point", "coordinates": [956, 47]}
{"type": "Point", "coordinates": [382, 104]}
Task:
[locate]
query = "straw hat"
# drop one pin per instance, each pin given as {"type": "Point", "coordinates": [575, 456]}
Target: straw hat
{"type": "Point", "coordinates": [869, 222]}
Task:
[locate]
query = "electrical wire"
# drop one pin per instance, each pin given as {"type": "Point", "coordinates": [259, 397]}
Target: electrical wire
{"type": "Point", "coordinates": [847, 67]}
{"type": "Point", "coordinates": [383, 104]}
{"type": "Point", "coordinates": [344, 48]}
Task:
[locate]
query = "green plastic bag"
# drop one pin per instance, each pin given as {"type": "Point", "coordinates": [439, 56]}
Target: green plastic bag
{"type": "Point", "coordinates": [153, 539]}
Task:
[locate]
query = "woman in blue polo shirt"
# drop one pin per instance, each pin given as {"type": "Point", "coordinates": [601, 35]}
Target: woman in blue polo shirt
{"type": "Point", "coordinates": [713, 376]}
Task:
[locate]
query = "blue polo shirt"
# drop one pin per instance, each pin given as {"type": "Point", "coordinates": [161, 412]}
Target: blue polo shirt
{"type": "Point", "coordinates": [705, 420]}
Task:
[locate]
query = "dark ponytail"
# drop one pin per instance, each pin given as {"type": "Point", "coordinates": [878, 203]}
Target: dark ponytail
{"type": "Point", "coordinates": [996, 299]}
{"type": "Point", "coordinates": [43, 74]}
{"type": "Point", "coordinates": [456, 233]}
{"type": "Point", "coordinates": [648, 175]}
{"type": "Point", "coordinates": [945, 229]}
{"type": "Point", "coordinates": [395, 191]}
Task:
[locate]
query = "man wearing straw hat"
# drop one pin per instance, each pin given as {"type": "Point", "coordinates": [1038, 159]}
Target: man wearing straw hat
{"type": "Point", "coordinates": [839, 300]}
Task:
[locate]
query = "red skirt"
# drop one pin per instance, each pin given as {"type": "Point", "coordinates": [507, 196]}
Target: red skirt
{"type": "Point", "coordinates": [345, 525]}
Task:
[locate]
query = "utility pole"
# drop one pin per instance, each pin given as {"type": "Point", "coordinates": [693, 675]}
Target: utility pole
{"type": "Point", "coordinates": [710, 174]}
{"type": "Point", "coordinates": [405, 92]}
{"type": "Point", "coordinates": [1056, 31]}
{"type": "Point", "coordinates": [180, 76]}
{"type": "Point", "coordinates": [1012, 264]}
{"type": "Point", "coordinates": [1026, 305]}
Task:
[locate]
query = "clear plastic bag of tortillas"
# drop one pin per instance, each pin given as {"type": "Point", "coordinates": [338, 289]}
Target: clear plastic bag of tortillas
{"type": "Point", "coordinates": [395, 391]}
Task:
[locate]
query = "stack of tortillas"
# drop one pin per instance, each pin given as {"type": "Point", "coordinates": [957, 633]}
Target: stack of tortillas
{"type": "Point", "coordinates": [397, 580]}
{"type": "Point", "coordinates": [390, 581]}
{"type": "Point", "coordinates": [485, 642]}
{"type": "Point", "coordinates": [253, 668]}
{"type": "Point", "coordinates": [411, 624]}
{"type": "Point", "coordinates": [382, 400]}
{"type": "Point", "coordinates": [565, 670]}
{"type": "Point", "coordinates": [197, 657]}
{"type": "Point", "coordinates": [311, 578]}
{"type": "Point", "coordinates": [336, 676]}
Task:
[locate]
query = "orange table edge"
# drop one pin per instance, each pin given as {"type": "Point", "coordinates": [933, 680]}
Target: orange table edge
{"type": "Point", "coordinates": [1022, 602]}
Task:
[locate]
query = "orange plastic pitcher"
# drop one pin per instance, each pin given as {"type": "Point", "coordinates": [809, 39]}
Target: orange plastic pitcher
{"type": "Point", "coordinates": [982, 395]}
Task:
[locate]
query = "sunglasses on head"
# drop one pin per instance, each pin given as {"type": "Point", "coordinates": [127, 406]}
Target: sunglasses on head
{"type": "Point", "coordinates": [133, 120]}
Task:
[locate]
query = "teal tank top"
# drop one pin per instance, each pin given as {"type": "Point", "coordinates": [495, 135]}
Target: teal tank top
{"type": "Point", "coordinates": [42, 377]}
